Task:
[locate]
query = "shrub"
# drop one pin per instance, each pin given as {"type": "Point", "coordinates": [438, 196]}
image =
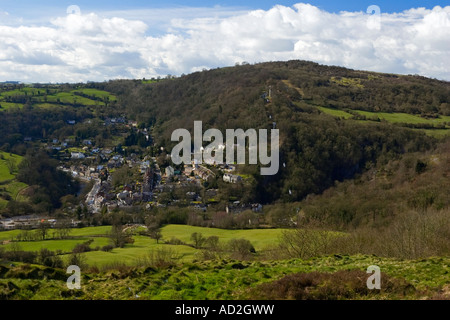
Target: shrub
{"type": "Point", "coordinates": [198, 239]}
{"type": "Point", "coordinates": [159, 258]}
{"type": "Point", "coordinates": [175, 241]}
{"type": "Point", "coordinates": [241, 249]}
{"type": "Point", "coordinates": [344, 284]}
{"type": "Point", "coordinates": [108, 248]}
{"type": "Point", "coordinates": [77, 259]}
{"type": "Point", "coordinates": [81, 247]}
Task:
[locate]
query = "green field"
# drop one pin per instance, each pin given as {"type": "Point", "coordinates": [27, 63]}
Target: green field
{"type": "Point", "coordinates": [97, 93]}
{"type": "Point", "coordinates": [335, 112]}
{"type": "Point", "coordinates": [260, 238]}
{"type": "Point", "coordinates": [214, 279]}
{"type": "Point", "coordinates": [398, 118]}
{"type": "Point", "coordinates": [402, 117]}
{"type": "Point", "coordinates": [8, 183]}
{"type": "Point", "coordinates": [49, 98]}
{"type": "Point", "coordinates": [5, 173]}
{"type": "Point", "coordinates": [10, 105]}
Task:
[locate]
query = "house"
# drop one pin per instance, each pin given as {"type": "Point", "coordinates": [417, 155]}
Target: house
{"type": "Point", "coordinates": [71, 122]}
{"type": "Point", "coordinates": [137, 197]}
{"type": "Point", "coordinates": [7, 224]}
{"type": "Point", "coordinates": [257, 207]}
{"type": "Point", "coordinates": [77, 155]}
{"type": "Point", "coordinates": [170, 171]}
{"type": "Point", "coordinates": [231, 178]}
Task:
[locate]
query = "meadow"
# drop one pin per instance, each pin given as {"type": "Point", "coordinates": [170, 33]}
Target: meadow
{"type": "Point", "coordinates": [8, 184]}
{"type": "Point", "coordinates": [396, 118]}
{"type": "Point", "coordinates": [143, 245]}
{"type": "Point", "coordinates": [56, 97]}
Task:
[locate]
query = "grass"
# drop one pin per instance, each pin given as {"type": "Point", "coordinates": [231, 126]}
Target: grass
{"type": "Point", "coordinates": [5, 173]}
{"type": "Point", "coordinates": [396, 117]}
{"type": "Point", "coordinates": [218, 280]}
{"type": "Point", "coordinates": [260, 238]}
{"type": "Point", "coordinates": [403, 117]}
{"type": "Point", "coordinates": [8, 183]}
{"type": "Point", "coordinates": [47, 99]}
{"type": "Point", "coordinates": [97, 93]}
{"type": "Point", "coordinates": [10, 105]}
{"type": "Point", "coordinates": [335, 112]}
{"type": "Point", "coordinates": [69, 97]}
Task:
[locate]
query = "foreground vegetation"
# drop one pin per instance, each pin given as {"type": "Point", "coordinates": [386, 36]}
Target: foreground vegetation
{"type": "Point", "coordinates": [333, 277]}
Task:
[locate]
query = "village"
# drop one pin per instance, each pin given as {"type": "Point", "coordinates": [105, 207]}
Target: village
{"type": "Point", "coordinates": [187, 185]}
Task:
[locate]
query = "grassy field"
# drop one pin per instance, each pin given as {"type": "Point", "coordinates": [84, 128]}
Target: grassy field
{"type": "Point", "coordinates": [260, 238]}
{"type": "Point", "coordinates": [403, 117]}
{"type": "Point", "coordinates": [335, 112]}
{"type": "Point", "coordinates": [215, 279]}
{"type": "Point", "coordinates": [43, 98]}
{"type": "Point", "coordinates": [97, 93]}
{"type": "Point", "coordinates": [143, 245]}
{"type": "Point", "coordinates": [10, 105]}
{"type": "Point", "coordinates": [8, 183]}
{"type": "Point", "coordinates": [5, 157]}
{"type": "Point", "coordinates": [399, 118]}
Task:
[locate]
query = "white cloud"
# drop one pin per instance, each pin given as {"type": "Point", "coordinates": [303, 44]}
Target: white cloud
{"type": "Point", "coordinates": [93, 47]}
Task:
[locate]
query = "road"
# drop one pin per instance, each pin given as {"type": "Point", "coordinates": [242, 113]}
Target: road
{"type": "Point", "coordinates": [90, 198]}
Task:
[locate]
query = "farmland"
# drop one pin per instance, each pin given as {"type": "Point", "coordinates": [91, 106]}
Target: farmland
{"type": "Point", "coordinates": [53, 97]}
{"type": "Point", "coordinates": [260, 238]}
{"type": "Point", "coordinates": [128, 273]}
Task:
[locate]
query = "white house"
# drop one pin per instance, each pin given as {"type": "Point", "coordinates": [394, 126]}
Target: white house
{"type": "Point", "coordinates": [78, 155]}
{"type": "Point", "coordinates": [170, 171]}
{"type": "Point", "coordinates": [231, 178]}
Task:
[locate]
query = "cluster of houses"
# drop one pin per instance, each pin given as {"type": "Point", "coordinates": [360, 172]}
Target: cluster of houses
{"type": "Point", "coordinates": [84, 172]}
{"type": "Point", "coordinates": [29, 222]}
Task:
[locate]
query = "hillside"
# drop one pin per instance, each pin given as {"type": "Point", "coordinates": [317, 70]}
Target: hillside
{"type": "Point", "coordinates": [317, 148]}
{"type": "Point", "coordinates": [326, 278]}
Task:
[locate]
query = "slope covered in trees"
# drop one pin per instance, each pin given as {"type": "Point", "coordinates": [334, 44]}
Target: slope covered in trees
{"type": "Point", "coordinates": [316, 149]}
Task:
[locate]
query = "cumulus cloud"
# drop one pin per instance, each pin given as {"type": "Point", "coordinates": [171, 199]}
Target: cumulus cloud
{"type": "Point", "coordinates": [92, 47]}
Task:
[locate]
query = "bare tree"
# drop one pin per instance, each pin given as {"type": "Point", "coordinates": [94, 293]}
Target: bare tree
{"type": "Point", "coordinates": [198, 239]}
{"type": "Point", "coordinates": [42, 230]}
{"type": "Point", "coordinates": [155, 233]}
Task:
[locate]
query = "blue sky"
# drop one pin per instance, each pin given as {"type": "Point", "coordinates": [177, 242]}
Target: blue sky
{"type": "Point", "coordinates": [41, 42]}
{"type": "Point", "coordinates": [27, 6]}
